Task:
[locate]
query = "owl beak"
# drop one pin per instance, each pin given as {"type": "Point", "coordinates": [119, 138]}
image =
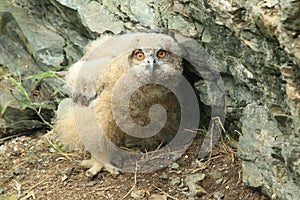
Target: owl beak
{"type": "Point", "coordinates": [151, 64]}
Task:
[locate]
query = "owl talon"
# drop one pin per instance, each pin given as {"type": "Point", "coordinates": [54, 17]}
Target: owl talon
{"type": "Point", "coordinates": [112, 170]}
{"type": "Point", "coordinates": [89, 174]}
{"type": "Point", "coordinates": [86, 163]}
{"type": "Point", "coordinates": [95, 167]}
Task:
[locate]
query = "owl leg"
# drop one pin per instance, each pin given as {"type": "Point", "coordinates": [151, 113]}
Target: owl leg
{"type": "Point", "coordinates": [96, 166]}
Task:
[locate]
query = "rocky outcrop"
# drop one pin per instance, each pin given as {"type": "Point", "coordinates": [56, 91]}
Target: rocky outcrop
{"type": "Point", "coordinates": [254, 44]}
{"type": "Point", "coordinates": [270, 146]}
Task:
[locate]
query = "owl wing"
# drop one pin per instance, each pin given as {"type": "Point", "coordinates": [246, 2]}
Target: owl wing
{"type": "Point", "coordinates": [83, 76]}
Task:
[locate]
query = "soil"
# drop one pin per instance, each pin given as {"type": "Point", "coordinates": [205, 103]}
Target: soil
{"type": "Point", "coordinates": [30, 168]}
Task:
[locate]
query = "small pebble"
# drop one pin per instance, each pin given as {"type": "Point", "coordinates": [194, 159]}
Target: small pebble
{"type": "Point", "coordinates": [52, 150]}
{"type": "Point", "coordinates": [2, 191]}
{"type": "Point", "coordinates": [192, 182]}
{"type": "Point", "coordinates": [219, 181]}
{"type": "Point", "coordinates": [175, 166]}
{"type": "Point", "coordinates": [175, 181]}
{"type": "Point", "coordinates": [157, 197]}
{"type": "Point", "coordinates": [196, 164]}
{"type": "Point", "coordinates": [218, 195]}
{"type": "Point", "coordinates": [2, 149]}
{"type": "Point", "coordinates": [164, 177]}
{"type": "Point", "coordinates": [200, 191]}
{"type": "Point", "coordinates": [64, 178]}
{"type": "Point", "coordinates": [18, 171]}
{"type": "Point", "coordinates": [138, 194]}
{"type": "Point", "coordinates": [196, 190]}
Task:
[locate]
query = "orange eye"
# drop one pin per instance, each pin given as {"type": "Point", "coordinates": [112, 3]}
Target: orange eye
{"type": "Point", "coordinates": [161, 53]}
{"type": "Point", "coordinates": [140, 56]}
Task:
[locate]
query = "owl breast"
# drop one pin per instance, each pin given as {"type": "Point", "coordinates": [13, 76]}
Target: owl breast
{"type": "Point", "coordinates": [151, 74]}
{"type": "Point", "coordinates": [140, 104]}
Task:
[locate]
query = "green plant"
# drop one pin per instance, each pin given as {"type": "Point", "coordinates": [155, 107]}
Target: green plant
{"type": "Point", "coordinates": [47, 74]}
{"type": "Point", "coordinates": [226, 137]}
{"type": "Point", "coordinates": [26, 101]}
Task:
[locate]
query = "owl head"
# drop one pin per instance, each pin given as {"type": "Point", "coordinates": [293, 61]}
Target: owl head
{"type": "Point", "coordinates": [155, 63]}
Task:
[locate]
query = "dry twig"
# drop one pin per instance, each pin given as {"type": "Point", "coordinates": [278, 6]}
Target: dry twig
{"type": "Point", "coordinates": [58, 150]}
{"type": "Point", "coordinates": [27, 196]}
{"type": "Point", "coordinates": [107, 188]}
{"type": "Point", "coordinates": [134, 184]}
{"type": "Point", "coordinates": [171, 197]}
{"type": "Point", "coordinates": [34, 186]}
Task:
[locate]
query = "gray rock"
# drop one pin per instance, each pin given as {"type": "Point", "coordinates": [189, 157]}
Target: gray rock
{"type": "Point", "coordinates": [44, 45]}
{"type": "Point", "coordinates": [215, 174]}
{"type": "Point", "coordinates": [142, 12]}
{"type": "Point", "coordinates": [289, 24]}
{"type": "Point", "coordinates": [98, 19]}
{"type": "Point", "coordinates": [187, 28]}
{"type": "Point", "coordinates": [13, 53]}
{"type": "Point", "coordinates": [260, 148]}
{"type": "Point", "coordinates": [192, 181]}
{"type": "Point", "coordinates": [17, 117]}
{"type": "Point", "coordinates": [196, 190]}
{"type": "Point", "coordinates": [194, 178]}
{"type": "Point", "coordinates": [74, 4]}
{"type": "Point", "coordinates": [28, 47]}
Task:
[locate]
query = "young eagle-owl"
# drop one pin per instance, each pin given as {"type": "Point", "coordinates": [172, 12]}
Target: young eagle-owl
{"type": "Point", "coordinates": [151, 63]}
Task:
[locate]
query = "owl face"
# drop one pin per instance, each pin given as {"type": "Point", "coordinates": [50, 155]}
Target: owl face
{"type": "Point", "coordinates": [154, 62]}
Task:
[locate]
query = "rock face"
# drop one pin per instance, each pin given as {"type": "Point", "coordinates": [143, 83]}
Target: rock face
{"type": "Point", "coordinates": [254, 44]}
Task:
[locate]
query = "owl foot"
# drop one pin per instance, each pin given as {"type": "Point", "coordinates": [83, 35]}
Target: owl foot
{"type": "Point", "coordinates": [96, 166]}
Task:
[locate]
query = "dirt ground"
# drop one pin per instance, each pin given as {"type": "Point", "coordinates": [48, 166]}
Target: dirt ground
{"type": "Point", "coordinates": [30, 168]}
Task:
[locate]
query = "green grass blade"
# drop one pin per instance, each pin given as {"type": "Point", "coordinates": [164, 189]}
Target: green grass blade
{"type": "Point", "coordinates": [42, 75]}
{"type": "Point", "coordinates": [60, 68]}
{"type": "Point", "coordinates": [26, 104]}
{"type": "Point", "coordinates": [21, 88]}
{"type": "Point", "coordinates": [43, 105]}
{"type": "Point", "coordinates": [5, 107]}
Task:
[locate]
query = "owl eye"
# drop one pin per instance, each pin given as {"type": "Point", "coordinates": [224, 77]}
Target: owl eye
{"type": "Point", "coordinates": [140, 56]}
{"type": "Point", "coordinates": [161, 53]}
